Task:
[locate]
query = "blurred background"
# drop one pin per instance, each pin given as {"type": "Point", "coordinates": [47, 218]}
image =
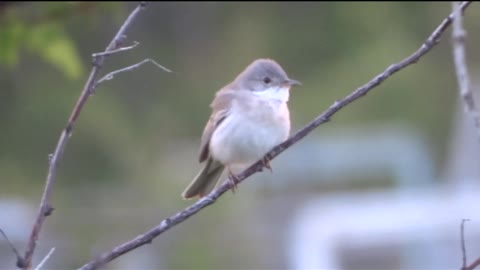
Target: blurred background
{"type": "Point", "coordinates": [384, 185]}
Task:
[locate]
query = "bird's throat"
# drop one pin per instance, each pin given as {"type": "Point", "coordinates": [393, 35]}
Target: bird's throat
{"type": "Point", "coordinates": [274, 93]}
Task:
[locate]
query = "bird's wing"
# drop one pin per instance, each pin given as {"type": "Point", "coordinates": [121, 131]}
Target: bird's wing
{"type": "Point", "coordinates": [221, 107]}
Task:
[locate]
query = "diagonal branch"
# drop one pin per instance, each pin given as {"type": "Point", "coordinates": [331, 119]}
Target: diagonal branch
{"type": "Point", "coordinates": [181, 216]}
{"type": "Point", "coordinates": [12, 247]}
{"type": "Point", "coordinates": [473, 265]}
{"type": "Point", "coordinates": [46, 208]}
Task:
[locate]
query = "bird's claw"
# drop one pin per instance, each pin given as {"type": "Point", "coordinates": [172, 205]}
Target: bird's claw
{"type": "Point", "coordinates": [233, 180]}
{"type": "Point", "coordinates": [266, 164]}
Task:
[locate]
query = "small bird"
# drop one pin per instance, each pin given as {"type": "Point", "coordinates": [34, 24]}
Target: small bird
{"type": "Point", "coordinates": [249, 117]}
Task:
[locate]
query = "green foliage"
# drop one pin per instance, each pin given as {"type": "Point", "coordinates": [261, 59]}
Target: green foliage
{"type": "Point", "coordinates": [10, 38]}
{"type": "Point", "coordinates": [52, 43]}
{"type": "Point", "coordinates": [47, 39]}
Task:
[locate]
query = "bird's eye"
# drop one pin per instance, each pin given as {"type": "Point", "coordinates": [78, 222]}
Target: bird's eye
{"type": "Point", "coordinates": [267, 80]}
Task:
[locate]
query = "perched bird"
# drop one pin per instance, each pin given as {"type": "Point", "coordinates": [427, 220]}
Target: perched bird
{"type": "Point", "coordinates": [249, 117]}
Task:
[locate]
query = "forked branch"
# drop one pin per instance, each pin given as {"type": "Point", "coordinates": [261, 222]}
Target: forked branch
{"type": "Point", "coordinates": [46, 207]}
{"type": "Point", "coordinates": [181, 216]}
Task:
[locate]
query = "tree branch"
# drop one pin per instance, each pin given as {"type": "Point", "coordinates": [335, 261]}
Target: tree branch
{"type": "Point", "coordinates": [473, 265]}
{"type": "Point", "coordinates": [121, 49]}
{"type": "Point", "coordinates": [458, 40]}
{"type": "Point", "coordinates": [112, 74]}
{"type": "Point", "coordinates": [181, 216]}
{"type": "Point", "coordinates": [46, 208]}
{"type": "Point", "coordinates": [462, 244]}
{"type": "Point", "coordinates": [12, 247]}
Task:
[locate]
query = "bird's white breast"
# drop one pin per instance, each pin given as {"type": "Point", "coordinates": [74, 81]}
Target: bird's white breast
{"type": "Point", "coordinates": [252, 128]}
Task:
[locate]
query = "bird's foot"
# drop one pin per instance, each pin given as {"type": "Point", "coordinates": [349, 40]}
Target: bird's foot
{"type": "Point", "coordinates": [233, 180]}
{"type": "Point", "coordinates": [266, 163]}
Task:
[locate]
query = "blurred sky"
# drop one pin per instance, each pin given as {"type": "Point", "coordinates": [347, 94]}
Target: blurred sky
{"type": "Point", "coordinates": [134, 148]}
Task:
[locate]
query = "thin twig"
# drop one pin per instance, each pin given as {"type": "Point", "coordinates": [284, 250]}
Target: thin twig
{"type": "Point", "coordinates": [110, 75]}
{"type": "Point", "coordinates": [462, 244]}
{"type": "Point", "coordinates": [45, 259]}
{"type": "Point", "coordinates": [464, 87]}
{"type": "Point", "coordinates": [45, 208]}
{"type": "Point", "coordinates": [181, 216]}
{"type": "Point", "coordinates": [473, 265]}
{"type": "Point", "coordinates": [20, 260]}
{"type": "Point", "coordinates": [121, 49]}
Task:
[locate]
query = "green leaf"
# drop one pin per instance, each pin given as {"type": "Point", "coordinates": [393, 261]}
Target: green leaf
{"type": "Point", "coordinates": [51, 42]}
{"type": "Point", "coordinates": [61, 52]}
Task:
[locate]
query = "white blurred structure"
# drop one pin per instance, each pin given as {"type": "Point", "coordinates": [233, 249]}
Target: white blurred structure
{"type": "Point", "coordinates": [15, 220]}
{"type": "Point", "coordinates": [354, 153]}
{"type": "Point", "coordinates": [414, 225]}
{"type": "Point", "coordinates": [425, 225]}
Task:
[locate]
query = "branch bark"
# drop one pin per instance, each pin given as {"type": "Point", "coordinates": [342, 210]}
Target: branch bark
{"type": "Point", "coordinates": [464, 87]}
{"type": "Point", "coordinates": [473, 265]}
{"type": "Point", "coordinates": [46, 208]}
{"type": "Point", "coordinates": [181, 216]}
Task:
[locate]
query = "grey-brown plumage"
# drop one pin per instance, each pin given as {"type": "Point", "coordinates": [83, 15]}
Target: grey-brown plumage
{"type": "Point", "coordinates": [236, 109]}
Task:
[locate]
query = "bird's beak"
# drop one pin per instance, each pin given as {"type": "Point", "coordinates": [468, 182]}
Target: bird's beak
{"type": "Point", "coordinates": [291, 82]}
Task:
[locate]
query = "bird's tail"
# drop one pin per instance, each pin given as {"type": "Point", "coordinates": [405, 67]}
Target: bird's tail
{"type": "Point", "coordinates": [205, 180]}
